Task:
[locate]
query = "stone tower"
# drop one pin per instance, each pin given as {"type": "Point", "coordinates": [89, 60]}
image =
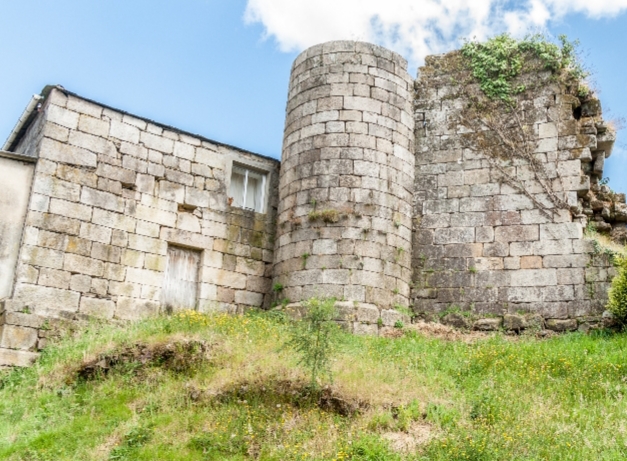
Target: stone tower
{"type": "Point", "coordinates": [347, 177]}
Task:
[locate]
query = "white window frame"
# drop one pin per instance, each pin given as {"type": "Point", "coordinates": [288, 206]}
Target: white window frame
{"type": "Point", "coordinates": [264, 184]}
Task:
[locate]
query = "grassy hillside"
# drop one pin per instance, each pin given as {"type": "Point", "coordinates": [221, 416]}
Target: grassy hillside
{"type": "Point", "coordinates": [195, 387]}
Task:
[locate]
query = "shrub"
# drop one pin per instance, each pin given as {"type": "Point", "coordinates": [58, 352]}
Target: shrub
{"type": "Point", "coordinates": [617, 303]}
{"type": "Point", "coordinates": [314, 339]}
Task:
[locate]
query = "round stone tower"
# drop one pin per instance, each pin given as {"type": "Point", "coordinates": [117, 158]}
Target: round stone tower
{"type": "Point", "coordinates": [347, 175]}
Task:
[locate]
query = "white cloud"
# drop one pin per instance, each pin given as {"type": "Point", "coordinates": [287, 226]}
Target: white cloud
{"type": "Point", "coordinates": [414, 28]}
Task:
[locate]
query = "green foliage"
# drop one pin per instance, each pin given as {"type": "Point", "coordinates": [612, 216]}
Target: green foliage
{"type": "Point", "coordinates": [277, 287]}
{"type": "Point", "coordinates": [489, 400]}
{"type": "Point", "coordinates": [497, 62]}
{"type": "Point", "coordinates": [314, 339]}
{"type": "Point", "coordinates": [371, 448]}
{"type": "Point", "coordinates": [328, 215]}
{"type": "Point", "coordinates": [398, 324]}
{"type": "Point", "coordinates": [617, 303]}
{"type": "Point", "coordinates": [134, 439]}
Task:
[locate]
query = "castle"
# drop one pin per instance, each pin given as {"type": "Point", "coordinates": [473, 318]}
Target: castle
{"type": "Point", "coordinates": [382, 200]}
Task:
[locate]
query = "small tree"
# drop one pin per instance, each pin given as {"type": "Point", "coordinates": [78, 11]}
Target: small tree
{"type": "Point", "coordinates": [314, 339]}
{"type": "Point", "coordinates": [617, 303]}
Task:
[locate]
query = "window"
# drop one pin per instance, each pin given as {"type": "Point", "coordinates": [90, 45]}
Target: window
{"type": "Point", "coordinates": [247, 189]}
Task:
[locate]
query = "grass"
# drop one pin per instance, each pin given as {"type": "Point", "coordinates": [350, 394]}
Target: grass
{"type": "Point", "coordinates": [495, 399]}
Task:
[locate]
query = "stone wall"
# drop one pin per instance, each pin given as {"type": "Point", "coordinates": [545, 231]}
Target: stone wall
{"type": "Point", "coordinates": [346, 179]}
{"type": "Point", "coordinates": [482, 245]}
{"type": "Point", "coordinates": [381, 202]}
{"type": "Point", "coordinates": [111, 193]}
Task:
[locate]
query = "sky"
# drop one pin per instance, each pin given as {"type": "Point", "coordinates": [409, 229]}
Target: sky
{"type": "Point", "coordinates": [220, 68]}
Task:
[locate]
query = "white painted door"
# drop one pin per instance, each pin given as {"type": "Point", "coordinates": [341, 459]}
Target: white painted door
{"type": "Point", "coordinates": [180, 287]}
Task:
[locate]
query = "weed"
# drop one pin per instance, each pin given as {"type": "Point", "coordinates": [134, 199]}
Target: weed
{"type": "Point", "coordinates": [277, 287]}
{"type": "Point", "coordinates": [399, 324]}
{"type": "Point", "coordinates": [472, 269]}
{"type": "Point", "coordinates": [314, 339]}
{"type": "Point", "coordinates": [305, 256]}
{"type": "Point", "coordinates": [328, 215]}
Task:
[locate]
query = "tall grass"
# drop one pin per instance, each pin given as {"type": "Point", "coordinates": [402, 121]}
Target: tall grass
{"type": "Point", "coordinates": [496, 399]}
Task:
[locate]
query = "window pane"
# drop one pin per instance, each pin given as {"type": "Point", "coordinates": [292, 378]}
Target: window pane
{"type": "Point", "coordinates": [252, 193]}
{"type": "Point", "coordinates": [236, 190]}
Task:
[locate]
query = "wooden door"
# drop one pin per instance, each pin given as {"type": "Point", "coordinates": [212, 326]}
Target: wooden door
{"type": "Point", "coordinates": [180, 287]}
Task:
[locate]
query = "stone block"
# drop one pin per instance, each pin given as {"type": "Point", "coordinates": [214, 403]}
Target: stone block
{"type": "Point", "coordinates": [23, 320]}
{"type": "Point", "coordinates": [147, 244]}
{"type": "Point", "coordinates": [577, 260]}
{"type": "Point", "coordinates": [135, 309]}
{"type": "Point", "coordinates": [456, 320]}
{"type": "Point", "coordinates": [62, 116]}
{"type": "Point", "coordinates": [516, 233]}
{"type": "Point", "coordinates": [42, 257]}
{"type": "Point", "coordinates": [101, 199]}
{"type": "Point", "coordinates": [514, 322]}
{"type": "Point", "coordinates": [95, 307]}
{"type": "Point", "coordinates": [572, 230]}
{"type": "Point", "coordinates": [15, 358]}
{"type": "Point", "coordinates": [17, 337]}
{"type": "Point", "coordinates": [488, 324]}
{"type": "Point", "coordinates": [455, 235]}
{"type": "Point", "coordinates": [82, 265]}
{"type": "Point", "coordinates": [54, 278]}
{"type": "Point", "coordinates": [365, 313]}
{"type": "Point", "coordinates": [96, 233]}
{"type": "Point", "coordinates": [561, 325]}
{"type": "Point", "coordinates": [531, 262]}
{"type": "Point", "coordinates": [65, 153]}
{"type": "Point", "coordinates": [159, 143]}
{"type": "Point", "coordinates": [70, 209]}
{"type": "Point", "coordinates": [249, 298]}
{"type": "Point", "coordinates": [365, 329]}
{"type": "Point", "coordinates": [80, 283]}
{"type": "Point", "coordinates": [93, 126]}
{"type": "Point", "coordinates": [87, 141]}
{"type": "Point", "coordinates": [55, 187]}
{"type": "Point", "coordinates": [534, 277]}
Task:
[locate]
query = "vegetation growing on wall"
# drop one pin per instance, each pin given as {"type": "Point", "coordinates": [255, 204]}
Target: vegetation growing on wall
{"type": "Point", "coordinates": [498, 62]}
{"type": "Point", "coordinates": [501, 79]}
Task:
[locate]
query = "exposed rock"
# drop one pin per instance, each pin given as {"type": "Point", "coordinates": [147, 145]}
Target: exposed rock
{"type": "Point", "coordinates": [534, 321]}
{"type": "Point", "coordinates": [456, 320]}
{"type": "Point", "coordinates": [514, 322]}
{"type": "Point", "coordinates": [561, 325]}
{"type": "Point", "coordinates": [619, 234]}
{"type": "Point", "coordinates": [489, 324]}
{"type": "Point", "coordinates": [609, 320]}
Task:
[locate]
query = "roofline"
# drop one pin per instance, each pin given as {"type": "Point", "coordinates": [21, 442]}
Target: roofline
{"type": "Point", "coordinates": [48, 88]}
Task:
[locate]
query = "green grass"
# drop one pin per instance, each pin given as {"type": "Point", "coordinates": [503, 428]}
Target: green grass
{"type": "Point", "coordinates": [497, 399]}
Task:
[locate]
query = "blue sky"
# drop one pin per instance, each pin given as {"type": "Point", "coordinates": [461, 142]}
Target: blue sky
{"type": "Point", "coordinates": [220, 68]}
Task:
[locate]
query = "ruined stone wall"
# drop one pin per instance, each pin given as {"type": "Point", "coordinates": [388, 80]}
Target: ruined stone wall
{"type": "Point", "coordinates": [347, 177]}
{"type": "Point", "coordinates": [480, 244]}
{"type": "Point", "coordinates": [111, 193]}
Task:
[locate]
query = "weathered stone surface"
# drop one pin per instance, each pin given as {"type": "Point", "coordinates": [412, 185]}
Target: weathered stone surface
{"type": "Point", "coordinates": [456, 320]}
{"type": "Point", "coordinates": [561, 325]}
{"type": "Point", "coordinates": [488, 324]}
{"type": "Point", "coordinates": [16, 358]}
{"type": "Point", "coordinates": [17, 337]}
{"type": "Point", "coordinates": [514, 322]}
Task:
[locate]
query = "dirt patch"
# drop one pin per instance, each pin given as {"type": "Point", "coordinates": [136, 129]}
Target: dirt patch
{"type": "Point", "coordinates": [278, 392]}
{"type": "Point", "coordinates": [448, 333]}
{"type": "Point", "coordinates": [178, 356]}
{"type": "Point", "coordinates": [407, 442]}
